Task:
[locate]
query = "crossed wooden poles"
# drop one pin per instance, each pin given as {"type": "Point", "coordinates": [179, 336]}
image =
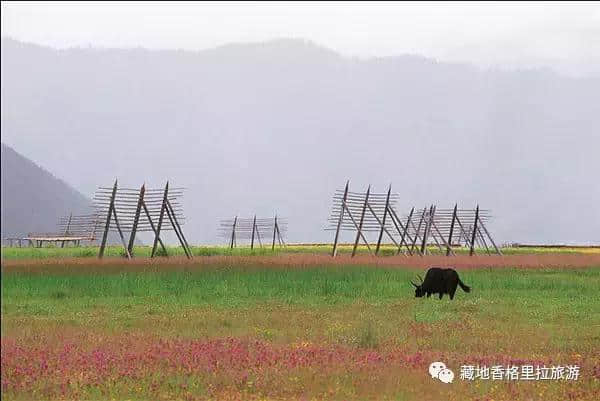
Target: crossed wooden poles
{"type": "Point", "coordinates": [370, 212]}
{"type": "Point", "coordinates": [448, 227]}
{"type": "Point", "coordinates": [127, 208]}
{"type": "Point", "coordinates": [251, 228]}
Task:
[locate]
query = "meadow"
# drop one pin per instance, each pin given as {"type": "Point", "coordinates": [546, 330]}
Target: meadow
{"type": "Point", "coordinates": [52, 251]}
{"type": "Point", "coordinates": [296, 327]}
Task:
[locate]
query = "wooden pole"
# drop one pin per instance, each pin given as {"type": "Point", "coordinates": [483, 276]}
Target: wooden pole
{"type": "Point", "coordinates": [279, 238]}
{"type": "Point", "coordinates": [472, 250]}
{"type": "Point", "coordinates": [233, 232]}
{"type": "Point", "coordinates": [274, 232]}
{"type": "Point", "coordinates": [426, 232]}
{"type": "Point", "coordinates": [487, 249]}
{"type": "Point", "coordinates": [463, 232]}
{"type": "Point", "coordinates": [387, 205]}
{"type": "Point", "coordinates": [451, 230]}
{"type": "Point", "coordinates": [136, 218]}
{"type": "Point", "coordinates": [152, 226]}
{"type": "Point", "coordinates": [405, 232]}
{"type": "Point", "coordinates": [417, 232]}
{"type": "Point", "coordinates": [253, 229]}
{"type": "Point", "coordinates": [160, 219]}
{"type": "Point", "coordinates": [177, 229]}
{"type": "Point", "coordinates": [432, 232]}
{"type": "Point", "coordinates": [478, 242]}
{"type": "Point", "coordinates": [111, 206]}
{"type": "Point", "coordinates": [96, 221]}
{"type": "Point", "coordinates": [67, 229]}
{"type": "Point", "coordinates": [258, 236]}
{"type": "Point", "coordinates": [362, 218]}
{"type": "Point", "coordinates": [121, 234]}
{"type": "Point", "coordinates": [490, 237]}
{"type": "Point", "coordinates": [177, 226]}
{"type": "Point", "coordinates": [446, 244]}
{"type": "Point", "coordinates": [359, 231]}
{"type": "Point", "coordinates": [381, 223]}
{"type": "Point", "coordinates": [343, 209]}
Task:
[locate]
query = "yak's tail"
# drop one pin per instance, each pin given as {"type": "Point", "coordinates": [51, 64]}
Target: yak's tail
{"type": "Point", "coordinates": [465, 288]}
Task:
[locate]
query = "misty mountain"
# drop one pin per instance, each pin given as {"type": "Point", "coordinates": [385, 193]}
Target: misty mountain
{"type": "Point", "coordinates": [32, 198]}
{"type": "Point", "coordinates": [278, 126]}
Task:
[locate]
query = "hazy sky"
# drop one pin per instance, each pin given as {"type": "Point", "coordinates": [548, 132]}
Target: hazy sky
{"type": "Point", "coordinates": [565, 37]}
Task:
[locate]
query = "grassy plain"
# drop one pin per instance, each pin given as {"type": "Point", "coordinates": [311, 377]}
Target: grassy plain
{"type": "Point", "coordinates": [51, 251]}
{"type": "Point", "coordinates": [278, 327]}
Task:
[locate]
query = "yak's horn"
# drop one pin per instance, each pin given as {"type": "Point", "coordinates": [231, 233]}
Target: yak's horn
{"type": "Point", "coordinates": [414, 284]}
{"type": "Point", "coordinates": [420, 278]}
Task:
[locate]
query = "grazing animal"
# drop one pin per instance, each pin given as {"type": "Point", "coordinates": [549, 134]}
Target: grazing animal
{"type": "Point", "coordinates": [441, 281]}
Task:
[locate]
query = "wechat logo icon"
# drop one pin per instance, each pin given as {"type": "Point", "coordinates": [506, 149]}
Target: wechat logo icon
{"type": "Point", "coordinates": [438, 370]}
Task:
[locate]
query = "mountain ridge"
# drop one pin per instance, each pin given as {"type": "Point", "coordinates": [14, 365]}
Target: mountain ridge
{"type": "Point", "coordinates": [33, 199]}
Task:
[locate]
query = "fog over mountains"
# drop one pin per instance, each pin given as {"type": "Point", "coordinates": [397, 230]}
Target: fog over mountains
{"type": "Point", "coordinates": [278, 126]}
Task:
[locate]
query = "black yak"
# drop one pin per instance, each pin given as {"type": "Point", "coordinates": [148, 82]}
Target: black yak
{"type": "Point", "coordinates": [441, 281]}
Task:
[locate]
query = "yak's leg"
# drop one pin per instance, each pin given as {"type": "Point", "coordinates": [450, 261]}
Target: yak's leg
{"type": "Point", "coordinates": [441, 294]}
{"type": "Point", "coordinates": [428, 294]}
{"type": "Point", "coordinates": [451, 290]}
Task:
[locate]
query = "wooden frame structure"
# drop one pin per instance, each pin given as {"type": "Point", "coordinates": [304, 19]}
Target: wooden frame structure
{"type": "Point", "coordinates": [138, 210]}
{"type": "Point", "coordinates": [71, 229]}
{"type": "Point", "coordinates": [365, 212]}
{"type": "Point", "coordinates": [82, 226]}
{"type": "Point", "coordinates": [448, 228]}
{"type": "Point", "coordinates": [253, 229]}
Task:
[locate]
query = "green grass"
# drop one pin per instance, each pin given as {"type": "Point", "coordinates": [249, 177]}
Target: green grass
{"type": "Point", "coordinates": [48, 252]}
{"type": "Point", "coordinates": [548, 314]}
{"type": "Point", "coordinates": [355, 305]}
{"type": "Point", "coordinates": [331, 285]}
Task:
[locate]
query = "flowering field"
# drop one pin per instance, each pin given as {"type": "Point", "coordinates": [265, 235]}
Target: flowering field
{"type": "Point", "coordinates": [237, 332]}
{"type": "Point", "coordinates": [91, 252]}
